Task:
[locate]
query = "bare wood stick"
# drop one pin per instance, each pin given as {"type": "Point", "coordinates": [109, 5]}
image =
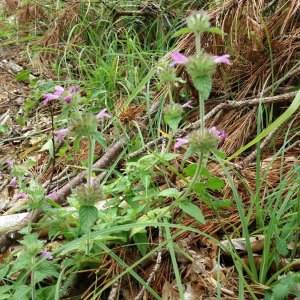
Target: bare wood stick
{"type": "Point", "coordinates": [266, 141]}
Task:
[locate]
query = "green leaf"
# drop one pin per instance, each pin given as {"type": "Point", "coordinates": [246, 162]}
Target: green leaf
{"type": "Point", "coordinates": [170, 156]}
{"type": "Point", "coordinates": [141, 240]}
{"type": "Point", "coordinates": [47, 267]}
{"type": "Point", "coordinates": [193, 210]}
{"type": "Point", "coordinates": [219, 153]}
{"type": "Point", "coordinates": [190, 170]}
{"type": "Point", "coordinates": [182, 31]}
{"type": "Point", "coordinates": [87, 217]}
{"type": "Point", "coordinates": [222, 203]}
{"type": "Point", "coordinates": [203, 84]}
{"type": "Point", "coordinates": [21, 292]}
{"type": "Point", "coordinates": [100, 139]}
{"type": "Point", "coordinates": [216, 30]}
{"type": "Point", "coordinates": [3, 128]}
{"type": "Point", "coordinates": [281, 247]}
{"type": "Point", "coordinates": [170, 193]}
{"type": "Point", "coordinates": [48, 146]}
{"type": "Point", "coordinates": [142, 219]}
{"type": "Point", "coordinates": [23, 75]}
{"type": "Point", "coordinates": [172, 123]}
{"type": "Point", "coordinates": [214, 183]}
{"type": "Point", "coordinates": [76, 144]}
{"type": "Point", "coordinates": [21, 120]}
{"type": "Point", "coordinates": [3, 271]}
{"type": "Point", "coordinates": [280, 291]}
{"type": "Point", "coordinates": [198, 187]}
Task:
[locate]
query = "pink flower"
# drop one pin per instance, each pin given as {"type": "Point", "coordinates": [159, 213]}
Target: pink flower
{"type": "Point", "coordinates": [159, 69]}
{"type": "Point", "coordinates": [53, 196]}
{"type": "Point", "coordinates": [103, 114]}
{"type": "Point", "coordinates": [13, 182]}
{"type": "Point", "coordinates": [178, 59]}
{"type": "Point", "coordinates": [93, 181]}
{"type": "Point", "coordinates": [21, 195]}
{"type": "Point", "coordinates": [187, 104]}
{"type": "Point", "coordinates": [68, 98]}
{"type": "Point", "coordinates": [74, 89]}
{"type": "Point", "coordinates": [46, 254]}
{"type": "Point", "coordinates": [60, 133]}
{"type": "Point", "coordinates": [49, 97]}
{"type": "Point", "coordinates": [222, 59]}
{"type": "Point", "coordinates": [59, 90]}
{"type": "Point", "coordinates": [214, 130]}
{"type": "Point", "coordinates": [10, 162]}
{"type": "Point", "coordinates": [223, 135]}
{"type": "Point", "coordinates": [180, 142]}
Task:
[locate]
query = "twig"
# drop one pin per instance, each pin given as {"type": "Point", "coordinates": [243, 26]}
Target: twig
{"type": "Point", "coordinates": [115, 287]}
{"type": "Point", "coordinates": [266, 141]}
{"type": "Point", "coordinates": [156, 267]}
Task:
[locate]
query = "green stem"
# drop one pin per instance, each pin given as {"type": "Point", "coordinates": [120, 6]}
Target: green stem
{"type": "Point", "coordinates": [87, 246]}
{"type": "Point", "coordinates": [170, 93]}
{"type": "Point", "coordinates": [198, 43]}
{"type": "Point", "coordinates": [187, 191]}
{"type": "Point", "coordinates": [202, 113]}
{"type": "Point", "coordinates": [293, 254]}
{"type": "Point", "coordinates": [90, 160]}
{"type": "Point", "coordinates": [30, 221]}
{"type": "Point", "coordinates": [196, 177]}
{"type": "Point", "coordinates": [32, 279]}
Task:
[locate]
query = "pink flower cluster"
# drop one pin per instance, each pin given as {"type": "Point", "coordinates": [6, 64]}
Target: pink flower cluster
{"type": "Point", "coordinates": [182, 141]}
{"type": "Point", "coordinates": [180, 59]}
{"type": "Point", "coordinates": [60, 133]}
{"type": "Point", "coordinates": [58, 93]}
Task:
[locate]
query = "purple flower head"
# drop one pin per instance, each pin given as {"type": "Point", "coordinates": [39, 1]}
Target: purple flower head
{"type": "Point", "coordinates": [103, 114]}
{"type": "Point", "coordinates": [21, 195]}
{"type": "Point", "coordinates": [93, 181]}
{"type": "Point", "coordinates": [74, 89]}
{"type": "Point", "coordinates": [46, 254]}
{"type": "Point", "coordinates": [214, 130]}
{"type": "Point", "coordinates": [180, 142]}
{"type": "Point", "coordinates": [178, 59]}
{"type": "Point", "coordinates": [68, 98]}
{"type": "Point", "coordinates": [49, 97]}
{"type": "Point", "coordinates": [10, 162]}
{"type": "Point", "coordinates": [60, 133]}
{"type": "Point", "coordinates": [223, 135]}
{"type": "Point", "coordinates": [187, 104]}
{"type": "Point", "coordinates": [13, 182]}
{"type": "Point", "coordinates": [222, 59]}
{"type": "Point", "coordinates": [159, 69]}
{"type": "Point", "coordinates": [53, 196]}
{"type": "Point", "coordinates": [58, 90]}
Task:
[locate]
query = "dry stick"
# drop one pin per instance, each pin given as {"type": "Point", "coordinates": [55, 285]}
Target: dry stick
{"type": "Point", "coordinates": [269, 88]}
{"type": "Point", "coordinates": [266, 141]}
{"type": "Point", "coordinates": [227, 105]}
{"type": "Point", "coordinates": [156, 267]}
{"type": "Point", "coordinates": [109, 156]}
{"type": "Point", "coordinates": [115, 288]}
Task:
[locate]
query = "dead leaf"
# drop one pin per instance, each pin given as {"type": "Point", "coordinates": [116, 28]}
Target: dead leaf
{"type": "Point", "coordinates": [169, 293]}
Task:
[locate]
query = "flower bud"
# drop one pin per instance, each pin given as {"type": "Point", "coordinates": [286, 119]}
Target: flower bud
{"type": "Point", "coordinates": [84, 125]}
{"type": "Point", "coordinates": [88, 196]}
{"type": "Point", "coordinates": [200, 65]}
{"type": "Point", "coordinates": [198, 21]}
{"type": "Point", "coordinates": [203, 143]}
{"type": "Point", "coordinates": [172, 115]}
